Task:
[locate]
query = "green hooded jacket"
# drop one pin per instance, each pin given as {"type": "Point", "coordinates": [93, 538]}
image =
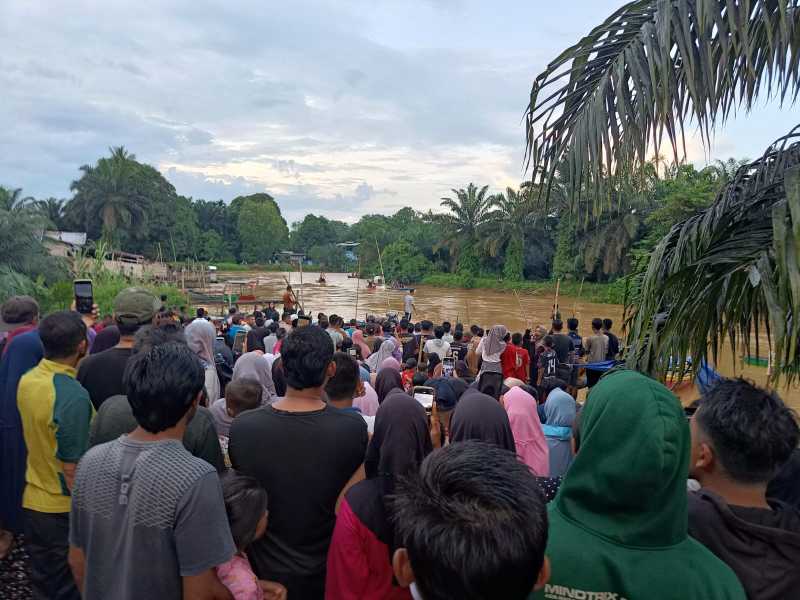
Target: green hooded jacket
{"type": "Point", "coordinates": [618, 526]}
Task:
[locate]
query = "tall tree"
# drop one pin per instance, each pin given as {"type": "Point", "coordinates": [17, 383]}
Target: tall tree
{"type": "Point", "coordinates": [12, 199]}
{"type": "Point", "coordinates": [262, 229]}
{"type": "Point", "coordinates": [513, 215]}
{"type": "Point", "coordinates": [469, 214]}
{"type": "Point", "coordinates": [52, 209]}
{"type": "Point", "coordinates": [630, 85]}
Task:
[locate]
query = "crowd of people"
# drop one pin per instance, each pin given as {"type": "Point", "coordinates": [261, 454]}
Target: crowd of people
{"type": "Point", "coordinates": [283, 455]}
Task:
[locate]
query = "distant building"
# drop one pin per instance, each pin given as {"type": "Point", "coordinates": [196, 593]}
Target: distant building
{"type": "Point", "coordinates": [63, 243]}
{"type": "Point", "coordinates": [349, 250]}
{"type": "Point", "coordinates": [287, 256]}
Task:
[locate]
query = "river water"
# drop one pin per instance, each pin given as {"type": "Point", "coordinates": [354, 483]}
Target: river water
{"type": "Point", "coordinates": [349, 298]}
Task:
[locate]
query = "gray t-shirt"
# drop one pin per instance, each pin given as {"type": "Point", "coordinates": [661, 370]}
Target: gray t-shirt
{"type": "Point", "coordinates": [408, 300]}
{"type": "Point", "coordinates": [115, 418]}
{"type": "Point", "coordinates": [146, 514]}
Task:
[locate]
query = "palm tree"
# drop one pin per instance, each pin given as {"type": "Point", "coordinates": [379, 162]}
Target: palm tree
{"type": "Point", "coordinates": [12, 199]}
{"type": "Point", "coordinates": [469, 214]}
{"type": "Point", "coordinates": [51, 209]}
{"type": "Point", "coordinates": [725, 170]}
{"type": "Point", "coordinates": [514, 214]}
{"type": "Point", "coordinates": [628, 88]}
{"type": "Point", "coordinates": [112, 190]}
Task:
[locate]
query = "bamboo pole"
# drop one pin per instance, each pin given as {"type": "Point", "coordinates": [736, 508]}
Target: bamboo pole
{"type": "Point", "coordinates": [555, 299]}
{"type": "Point", "coordinates": [358, 285]}
{"type": "Point", "coordinates": [580, 292]}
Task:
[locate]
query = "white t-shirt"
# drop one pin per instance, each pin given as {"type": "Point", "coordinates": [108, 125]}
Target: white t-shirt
{"type": "Point", "coordinates": [407, 302]}
{"type": "Point", "coordinates": [437, 346]}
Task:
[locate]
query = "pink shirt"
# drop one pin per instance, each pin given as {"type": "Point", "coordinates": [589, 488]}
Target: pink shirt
{"type": "Point", "coordinates": [237, 575]}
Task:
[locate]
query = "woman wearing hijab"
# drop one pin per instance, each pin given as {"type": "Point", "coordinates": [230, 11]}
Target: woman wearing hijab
{"type": "Point", "coordinates": [387, 380]}
{"type": "Point", "coordinates": [360, 556]}
{"type": "Point", "coordinates": [480, 417]}
{"type": "Point", "coordinates": [200, 336]}
{"type": "Point", "coordinates": [490, 348]}
{"type": "Point", "coordinates": [389, 363]}
{"type": "Point", "coordinates": [532, 448]}
{"type": "Point", "coordinates": [358, 340]}
{"type": "Point", "coordinates": [107, 338]}
{"type": "Point", "coordinates": [384, 352]}
{"type": "Point", "coordinates": [559, 411]}
{"type": "Point", "coordinates": [255, 366]}
{"type": "Point", "coordinates": [367, 403]}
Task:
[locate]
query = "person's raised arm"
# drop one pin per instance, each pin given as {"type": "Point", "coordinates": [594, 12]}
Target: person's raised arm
{"type": "Point", "coordinates": [205, 586]}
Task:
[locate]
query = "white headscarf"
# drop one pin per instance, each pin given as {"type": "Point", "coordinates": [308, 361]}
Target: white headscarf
{"type": "Point", "coordinates": [385, 351]}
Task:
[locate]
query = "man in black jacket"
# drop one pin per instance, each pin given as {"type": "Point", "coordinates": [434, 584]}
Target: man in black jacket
{"type": "Point", "coordinates": [741, 435]}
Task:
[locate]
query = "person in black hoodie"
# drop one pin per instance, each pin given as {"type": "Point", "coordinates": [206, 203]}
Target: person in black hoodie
{"type": "Point", "coordinates": [741, 436]}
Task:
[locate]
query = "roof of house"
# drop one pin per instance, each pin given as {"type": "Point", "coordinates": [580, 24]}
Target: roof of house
{"type": "Point", "coordinates": [73, 238]}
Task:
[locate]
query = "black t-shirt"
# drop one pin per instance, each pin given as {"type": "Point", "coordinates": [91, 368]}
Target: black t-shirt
{"type": "Point", "coordinates": [563, 345]}
{"type": "Point", "coordinates": [303, 460]}
{"type": "Point", "coordinates": [548, 362]}
{"type": "Point", "coordinates": [101, 374]}
{"type": "Point", "coordinates": [459, 350]}
{"type": "Point", "coordinates": [410, 347]}
{"type": "Point", "coordinates": [613, 346]}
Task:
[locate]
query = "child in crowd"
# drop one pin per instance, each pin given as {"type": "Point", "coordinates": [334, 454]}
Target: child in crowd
{"type": "Point", "coordinates": [407, 375]}
{"type": "Point", "coordinates": [246, 505]}
{"type": "Point", "coordinates": [240, 395]}
{"type": "Point", "coordinates": [548, 361]}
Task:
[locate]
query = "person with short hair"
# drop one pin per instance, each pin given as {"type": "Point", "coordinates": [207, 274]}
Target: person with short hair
{"type": "Point", "coordinates": [148, 519]}
{"type": "Point", "coordinates": [618, 526]}
{"type": "Point", "coordinates": [741, 436]}
{"type": "Point", "coordinates": [345, 386]}
{"type": "Point", "coordinates": [289, 300]}
{"type": "Point", "coordinates": [437, 345]}
{"type": "Point", "coordinates": [515, 359]}
{"type": "Point", "coordinates": [613, 340]}
{"type": "Point", "coordinates": [577, 340]}
{"type": "Point", "coordinates": [548, 360]}
{"type": "Point", "coordinates": [596, 351]}
{"type": "Point", "coordinates": [305, 451]}
{"type": "Point", "coordinates": [115, 417]}
{"type": "Point", "coordinates": [55, 412]}
{"type": "Point", "coordinates": [240, 395]}
{"type": "Point", "coordinates": [18, 315]}
{"type": "Point", "coordinates": [448, 336]}
{"type": "Point", "coordinates": [101, 374]}
{"type": "Point", "coordinates": [490, 523]}
{"type": "Point", "coordinates": [408, 304]}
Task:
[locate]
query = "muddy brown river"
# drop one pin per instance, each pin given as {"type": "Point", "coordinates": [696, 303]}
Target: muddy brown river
{"type": "Point", "coordinates": [349, 298]}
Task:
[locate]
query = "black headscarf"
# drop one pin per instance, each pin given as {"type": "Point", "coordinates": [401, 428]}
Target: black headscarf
{"type": "Point", "coordinates": [387, 380]}
{"type": "Point", "coordinates": [401, 439]}
{"type": "Point", "coordinates": [480, 417]}
{"type": "Point", "coordinates": [108, 337]}
{"type": "Point", "coordinates": [400, 443]}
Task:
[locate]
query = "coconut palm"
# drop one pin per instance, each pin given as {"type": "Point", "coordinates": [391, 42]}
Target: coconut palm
{"type": "Point", "coordinates": [626, 90]}
{"type": "Point", "coordinates": [469, 213]}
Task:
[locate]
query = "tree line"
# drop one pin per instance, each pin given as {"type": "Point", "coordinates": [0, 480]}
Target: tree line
{"type": "Point", "coordinates": [512, 234]}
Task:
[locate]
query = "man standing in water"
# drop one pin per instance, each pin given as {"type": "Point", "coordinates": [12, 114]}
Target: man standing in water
{"type": "Point", "coordinates": [408, 304]}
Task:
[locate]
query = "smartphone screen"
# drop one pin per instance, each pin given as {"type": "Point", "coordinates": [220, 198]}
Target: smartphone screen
{"type": "Point", "coordinates": [352, 352]}
{"type": "Point", "coordinates": [84, 297]}
{"type": "Point", "coordinates": [448, 366]}
{"type": "Point", "coordinates": [425, 396]}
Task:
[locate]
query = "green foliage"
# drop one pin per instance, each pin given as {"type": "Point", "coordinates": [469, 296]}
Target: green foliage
{"type": "Point", "coordinates": [329, 257]}
{"type": "Point", "coordinates": [513, 267]}
{"type": "Point", "coordinates": [403, 262]}
{"type": "Point", "coordinates": [565, 261]}
{"type": "Point", "coordinates": [317, 231]}
{"type": "Point", "coordinates": [262, 230]}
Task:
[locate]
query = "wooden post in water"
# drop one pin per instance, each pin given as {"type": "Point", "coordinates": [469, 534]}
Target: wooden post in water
{"type": "Point", "coordinates": [555, 300]}
{"type": "Point", "coordinates": [383, 274]}
{"type": "Point", "coordinates": [358, 285]}
{"type": "Point", "coordinates": [580, 291]}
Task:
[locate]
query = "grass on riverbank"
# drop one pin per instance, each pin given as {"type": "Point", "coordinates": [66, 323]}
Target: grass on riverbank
{"type": "Point", "coordinates": [60, 295]}
{"type": "Point", "coordinates": [601, 293]}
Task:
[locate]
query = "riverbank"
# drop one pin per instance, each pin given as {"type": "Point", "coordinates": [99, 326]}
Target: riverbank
{"type": "Point", "coordinates": [599, 293]}
{"type": "Point", "coordinates": [231, 267]}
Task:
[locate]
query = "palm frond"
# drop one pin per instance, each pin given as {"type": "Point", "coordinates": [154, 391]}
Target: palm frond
{"type": "Point", "coordinates": [601, 106]}
{"type": "Point", "coordinates": [727, 274]}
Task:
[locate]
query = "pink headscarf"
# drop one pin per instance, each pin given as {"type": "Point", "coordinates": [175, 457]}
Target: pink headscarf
{"type": "Point", "coordinates": [368, 403]}
{"type": "Point", "coordinates": [531, 444]}
{"type": "Point", "coordinates": [358, 340]}
{"type": "Point", "coordinates": [389, 363]}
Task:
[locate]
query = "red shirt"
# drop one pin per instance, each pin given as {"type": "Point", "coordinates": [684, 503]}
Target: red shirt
{"type": "Point", "coordinates": [515, 362]}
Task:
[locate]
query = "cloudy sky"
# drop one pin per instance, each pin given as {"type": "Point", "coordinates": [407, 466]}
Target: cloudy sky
{"type": "Point", "coordinates": [339, 108]}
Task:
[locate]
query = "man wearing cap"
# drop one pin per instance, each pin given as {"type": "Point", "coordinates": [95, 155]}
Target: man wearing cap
{"type": "Point", "coordinates": [101, 373]}
{"type": "Point", "coordinates": [18, 315]}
